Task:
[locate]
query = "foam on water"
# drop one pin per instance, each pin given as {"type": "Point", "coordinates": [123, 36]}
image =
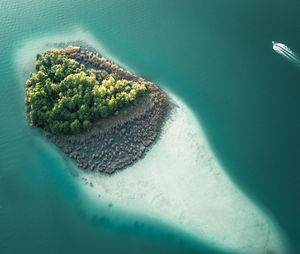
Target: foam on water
{"type": "Point", "coordinates": [179, 180]}
{"type": "Point", "coordinates": [284, 51]}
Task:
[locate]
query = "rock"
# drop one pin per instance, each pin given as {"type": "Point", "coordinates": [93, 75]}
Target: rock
{"type": "Point", "coordinates": [146, 142]}
{"type": "Point", "coordinates": [74, 155]}
{"type": "Point", "coordinates": [67, 150]}
{"type": "Point", "coordinates": [117, 146]}
{"type": "Point", "coordinates": [72, 49]}
{"type": "Point", "coordinates": [101, 168]}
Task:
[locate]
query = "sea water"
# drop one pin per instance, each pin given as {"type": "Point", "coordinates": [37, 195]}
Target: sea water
{"type": "Point", "coordinates": [218, 59]}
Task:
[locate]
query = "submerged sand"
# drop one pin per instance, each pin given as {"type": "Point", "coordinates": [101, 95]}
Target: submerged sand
{"type": "Point", "coordinates": [179, 181]}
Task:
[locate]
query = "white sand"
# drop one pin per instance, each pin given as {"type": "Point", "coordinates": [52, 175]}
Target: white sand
{"type": "Point", "coordinates": [179, 181]}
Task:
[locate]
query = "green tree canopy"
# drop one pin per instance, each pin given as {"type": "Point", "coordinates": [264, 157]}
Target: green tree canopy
{"type": "Point", "coordinates": [63, 97]}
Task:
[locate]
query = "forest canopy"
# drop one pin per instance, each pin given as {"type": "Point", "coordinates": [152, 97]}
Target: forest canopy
{"type": "Point", "coordinates": [64, 97]}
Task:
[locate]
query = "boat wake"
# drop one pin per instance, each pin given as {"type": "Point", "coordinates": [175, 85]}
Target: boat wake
{"type": "Point", "coordinates": [283, 50]}
{"type": "Point", "coordinates": [180, 182]}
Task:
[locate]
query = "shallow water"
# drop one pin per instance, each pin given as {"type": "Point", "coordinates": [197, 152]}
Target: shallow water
{"type": "Point", "coordinates": [180, 182]}
{"type": "Point", "coordinates": [216, 57]}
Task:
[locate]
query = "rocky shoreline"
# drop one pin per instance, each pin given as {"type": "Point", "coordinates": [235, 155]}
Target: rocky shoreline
{"type": "Point", "coordinates": [117, 141]}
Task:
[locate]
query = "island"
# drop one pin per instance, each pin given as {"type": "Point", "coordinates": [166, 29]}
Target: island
{"type": "Point", "coordinates": [101, 115]}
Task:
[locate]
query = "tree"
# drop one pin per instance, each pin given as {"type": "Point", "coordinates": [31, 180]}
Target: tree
{"type": "Point", "coordinates": [75, 126]}
{"type": "Point", "coordinates": [64, 97]}
{"type": "Point", "coordinates": [86, 124]}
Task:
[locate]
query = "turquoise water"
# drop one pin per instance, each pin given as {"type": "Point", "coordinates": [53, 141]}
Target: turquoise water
{"type": "Point", "coordinates": [216, 56]}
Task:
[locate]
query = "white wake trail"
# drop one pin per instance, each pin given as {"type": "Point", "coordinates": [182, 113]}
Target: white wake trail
{"type": "Point", "coordinates": [286, 52]}
{"type": "Point", "coordinates": [179, 181]}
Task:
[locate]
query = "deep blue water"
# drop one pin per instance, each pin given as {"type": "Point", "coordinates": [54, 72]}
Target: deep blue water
{"type": "Point", "coordinates": [215, 55]}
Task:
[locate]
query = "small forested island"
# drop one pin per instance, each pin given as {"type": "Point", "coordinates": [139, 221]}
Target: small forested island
{"type": "Point", "coordinates": [103, 116]}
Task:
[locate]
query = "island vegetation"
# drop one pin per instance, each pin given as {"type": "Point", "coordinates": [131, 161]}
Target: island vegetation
{"type": "Point", "coordinates": [101, 115]}
{"type": "Point", "coordinates": [64, 97]}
